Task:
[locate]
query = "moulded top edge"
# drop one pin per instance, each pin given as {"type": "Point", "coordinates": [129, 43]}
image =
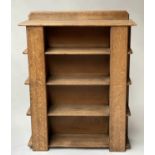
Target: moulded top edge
{"type": "Point", "coordinates": [78, 23]}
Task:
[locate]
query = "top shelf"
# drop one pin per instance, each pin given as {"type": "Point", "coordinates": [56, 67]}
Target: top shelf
{"type": "Point", "coordinates": [79, 18]}
{"type": "Point", "coordinates": [37, 22]}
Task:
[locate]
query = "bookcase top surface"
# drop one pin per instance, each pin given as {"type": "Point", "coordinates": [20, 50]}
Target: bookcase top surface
{"type": "Point", "coordinates": [79, 18]}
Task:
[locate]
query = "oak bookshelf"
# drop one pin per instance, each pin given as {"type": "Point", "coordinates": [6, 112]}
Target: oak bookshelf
{"type": "Point", "coordinates": [79, 79]}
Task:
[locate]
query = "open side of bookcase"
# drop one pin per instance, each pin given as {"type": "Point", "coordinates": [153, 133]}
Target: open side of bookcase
{"type": "Point", "coordinates": [79, 79]}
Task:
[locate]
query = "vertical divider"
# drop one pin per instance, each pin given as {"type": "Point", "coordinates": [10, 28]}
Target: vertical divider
{"type": "Point", "coordinates": [37, 78]}
{"type": "Point", "coordinates": [118, 87]}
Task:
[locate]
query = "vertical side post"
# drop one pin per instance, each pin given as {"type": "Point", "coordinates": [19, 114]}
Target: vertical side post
{"type": "Point", "coordinates": [37, 78]}
{"type": "Point", "coordinates": [118, 88]}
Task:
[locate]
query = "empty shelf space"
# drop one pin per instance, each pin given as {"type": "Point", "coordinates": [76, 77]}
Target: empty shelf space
{"type": "Point", "coordinates": [78, 51]}
{"type": "Point", "coordinates": [79, 110]}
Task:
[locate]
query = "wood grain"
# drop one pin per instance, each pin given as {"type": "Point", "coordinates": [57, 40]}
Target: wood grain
{"type": "Point", "coordinates": [60, 23]}
{"type": "Point", "coordinates": [79, 64]}
{"type": "Point", "coordinates": [78, 80]}
{"type": "Point", "coordinates": [37, 78]}
{"type": "Point", "coordinates": [80, 140]}
{"type": "Point", "coordinates": [70, 37]}
{"type": "Point", "coordinates": [118, 79]}
{"type": "Point", "coordinates": [78, 125]}
{"type": "Point", "coordinates": [78, 51]}
{"type": "Point", "coordinates": [79, 110]}
{"type": "Point", "coordinates": [79, 15]}
{"type": "Point", "coordinates": [69, 141]}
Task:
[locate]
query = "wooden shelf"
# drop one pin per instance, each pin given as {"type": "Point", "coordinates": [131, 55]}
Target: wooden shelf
{"type": "Point", "coordinates": [77, 23]}
{"type": "Point", "coordinates": [79, 110]}
{"type": "Point", "coordinates": [79, 141]}
{"type": "Point", "coordinates": [76, 81]}
{"type": "Point", "coordinates": [79, 80]}
{"type": "Point", "coordinates": [78, 51]}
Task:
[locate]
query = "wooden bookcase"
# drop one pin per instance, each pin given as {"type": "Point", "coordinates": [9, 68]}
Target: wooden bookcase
{"type": "Point", "coordinates": [79, 79]}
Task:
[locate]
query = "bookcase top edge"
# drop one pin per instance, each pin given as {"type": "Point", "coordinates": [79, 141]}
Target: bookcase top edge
{"type": "Point", "coordinates": [59, 23]}
{"type": "Point", "coordinates": [79, 15]}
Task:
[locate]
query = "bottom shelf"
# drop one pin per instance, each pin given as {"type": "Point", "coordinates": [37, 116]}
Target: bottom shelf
{"type": "Point", "coordinates": [79, 141]}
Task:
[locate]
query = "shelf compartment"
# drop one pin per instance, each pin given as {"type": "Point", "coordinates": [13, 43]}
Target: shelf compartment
{"type": "Point", "coordinates": [79, 110]}
{"type": "Point", "coordinates": [94, 95]}
{"type": "Point", "coordinates": [74, 65]}
{"type": "Point", "coordinates": [80, 141]}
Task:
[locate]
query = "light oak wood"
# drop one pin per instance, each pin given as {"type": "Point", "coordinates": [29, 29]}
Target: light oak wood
{"type": "Point", "coordinates": [78, 80]}
{"type": "Point", "coordinates": [118, 79]}
{"type": "Point", "coordinates": [70, 141]}
{"type": "Point", "coordinates": [79, 110]}
{"type": "Point", "coordinates": [90, 65]}
{"type": "Point", "coordinates": [78, 51]}
{"type": "Point", "coordinates": [79, 64]}
{"type": "Point", "coordinates": [91, 95]}
{"type": "Point", "coordinates": [78, 23]}
{"type": "Point", "coordinates": [78, 125]}
{"type": "Point", "coordinates": [37, 88]}
{"type": "Point", "coordinates": [79, 15]}
{"type": "Point", "coordinates": [79, 140]}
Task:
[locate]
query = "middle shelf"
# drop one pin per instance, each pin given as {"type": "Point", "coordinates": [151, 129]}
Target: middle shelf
{"type": "Point", "coordinates": [78, 110]}
{"type": "Point", "coordinates": [78, 80]}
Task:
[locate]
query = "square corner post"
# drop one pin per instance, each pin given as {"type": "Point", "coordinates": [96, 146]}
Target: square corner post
{"type": "Point", "coordinates": [37, 78]}
{"type": "Point", "coordinates": [118, 87]}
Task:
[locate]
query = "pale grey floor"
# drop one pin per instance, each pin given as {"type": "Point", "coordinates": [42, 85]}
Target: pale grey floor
{"type": "Point", "coordinates": [21, 130]}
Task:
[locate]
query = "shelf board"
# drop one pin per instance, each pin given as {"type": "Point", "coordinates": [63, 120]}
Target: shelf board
{"type": "Point", "coordinates": [79, 110]}
{"type": "Point", "coordinates": [77, 51]}
{"type": "Point", "coordinates": [81, 80]}
{"type": "Point", "coordinates": [76, 110]}
{"type": "Point", "coordinates": [94, 22]}
{"type": "Point", "coordinates": [78, 80]}
{"type": "Point", "coordinates": [73, 81]}
{"type": "Point", "coordinates": [79, 141]}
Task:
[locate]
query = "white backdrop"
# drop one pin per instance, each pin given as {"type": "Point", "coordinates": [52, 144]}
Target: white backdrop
{"type": "Point", "coordinates": [21, 130]}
